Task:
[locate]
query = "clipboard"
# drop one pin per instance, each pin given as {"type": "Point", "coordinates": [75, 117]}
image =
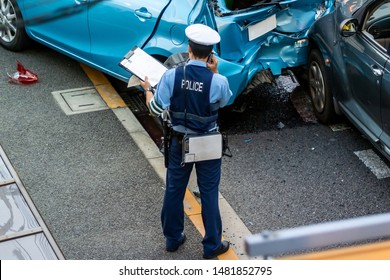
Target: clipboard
{"type": "Point", "coordinates": [141, 64]}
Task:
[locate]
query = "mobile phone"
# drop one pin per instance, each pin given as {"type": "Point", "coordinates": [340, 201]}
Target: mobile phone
{"type": "Point", "coordinates": [210, 58]}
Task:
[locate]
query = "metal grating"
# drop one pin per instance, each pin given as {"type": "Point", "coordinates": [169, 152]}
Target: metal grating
{"type": "Point", "coordinates": [135, 100]}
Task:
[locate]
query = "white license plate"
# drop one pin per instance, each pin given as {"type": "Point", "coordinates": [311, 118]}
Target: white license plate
{"type": "Point", "coordinates": [261, 28]}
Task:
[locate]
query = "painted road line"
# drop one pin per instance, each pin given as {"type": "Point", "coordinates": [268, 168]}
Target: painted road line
{"type": "Point", "coordinates": [156, 159]}
{"type": "Point", "coordinates": [104, 87]}
{"type": "Point", "coordinates": [193, 211]}
{"type": "Point", "coordinates": [374, 163]}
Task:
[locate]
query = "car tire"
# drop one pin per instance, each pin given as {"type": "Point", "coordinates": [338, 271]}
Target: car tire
{"type": "Point", "coordinates": [13, 37]}
{"type": "Point", "coordinates": [319, 89]}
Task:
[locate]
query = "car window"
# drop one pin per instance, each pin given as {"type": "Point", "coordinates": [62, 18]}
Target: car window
{"type": "Point", "coordinates": [348, 7]}
{"type": "Point", "coordinates": [377, 24]}
{"type": "Point", "coordinates": [380, 12]}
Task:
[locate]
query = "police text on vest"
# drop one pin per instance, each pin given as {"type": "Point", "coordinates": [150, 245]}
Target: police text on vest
{"type": "Point", "coordinates": [192, 85]}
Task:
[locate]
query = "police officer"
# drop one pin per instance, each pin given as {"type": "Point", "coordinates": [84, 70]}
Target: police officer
{"type": "Point", "coordinates": [193, 94]}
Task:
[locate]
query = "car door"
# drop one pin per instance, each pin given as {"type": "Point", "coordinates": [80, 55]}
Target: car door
{"type": "Point", "coordinates": [365, 59]}
{"type": "Point", "coordinates": [117, 26]}
{"type": "Point", "coordinates": [364, 65]}
{"type": "Point", "coordinates": [60, 24]}
{"type": "Point", "coordinates": [385, 107]}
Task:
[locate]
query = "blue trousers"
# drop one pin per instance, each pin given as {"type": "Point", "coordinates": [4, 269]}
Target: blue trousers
{"type": "Point", "coordinates": [172, 215]}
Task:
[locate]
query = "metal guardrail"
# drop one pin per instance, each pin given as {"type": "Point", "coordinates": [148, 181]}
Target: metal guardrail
{"type": "Point", "coordinates": [272, 243]}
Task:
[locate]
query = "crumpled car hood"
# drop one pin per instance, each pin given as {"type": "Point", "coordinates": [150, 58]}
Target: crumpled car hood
{"type": "Point", "coordinates": [293, 19]}
{"type": "Point", "coordinates": [300, 15]}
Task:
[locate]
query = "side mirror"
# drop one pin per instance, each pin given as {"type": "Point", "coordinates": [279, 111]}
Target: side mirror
{"type": "Point", "coordinates": [348, 27]}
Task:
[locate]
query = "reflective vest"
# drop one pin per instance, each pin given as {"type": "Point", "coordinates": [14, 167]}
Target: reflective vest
{"type": "Point", "coordinates": [190, 102]}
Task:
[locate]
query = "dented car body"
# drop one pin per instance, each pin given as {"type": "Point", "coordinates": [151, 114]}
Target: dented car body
{"type": "Point", "coordinates": [258, 37]}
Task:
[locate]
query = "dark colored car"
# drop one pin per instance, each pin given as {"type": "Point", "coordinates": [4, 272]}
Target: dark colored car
{"type": "Point", "coordinates": [349, 67]}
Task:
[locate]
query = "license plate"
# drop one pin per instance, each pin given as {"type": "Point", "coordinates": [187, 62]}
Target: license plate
{"type": "Point", "coordinates": [261, 28]}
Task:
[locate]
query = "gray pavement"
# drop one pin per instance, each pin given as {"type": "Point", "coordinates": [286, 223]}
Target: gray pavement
{"type": "Point", "coordinates": [97, 193]}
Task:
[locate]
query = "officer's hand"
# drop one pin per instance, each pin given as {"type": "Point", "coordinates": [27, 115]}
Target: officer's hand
{"type": "Point", "coordinates": [212, 64]}
{"type": "Point", "coordinates": [145, 84]}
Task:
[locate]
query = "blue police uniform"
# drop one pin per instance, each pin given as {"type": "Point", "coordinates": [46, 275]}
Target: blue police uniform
{"type": "Point", "coordinates": [193, 95]}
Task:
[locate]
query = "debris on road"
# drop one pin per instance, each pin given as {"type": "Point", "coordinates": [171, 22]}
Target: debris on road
{"type": "Point", "coordinates": [22, 75]}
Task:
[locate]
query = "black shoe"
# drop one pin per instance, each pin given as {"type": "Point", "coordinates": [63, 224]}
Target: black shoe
{"type": "Point", "coordinates": [222, 249]}
{"type": "Point", "coordinates": [174, 249]}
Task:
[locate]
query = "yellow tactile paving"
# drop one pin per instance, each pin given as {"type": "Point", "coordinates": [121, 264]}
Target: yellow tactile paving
{"type": "Point", "coordinates": [113, 100]}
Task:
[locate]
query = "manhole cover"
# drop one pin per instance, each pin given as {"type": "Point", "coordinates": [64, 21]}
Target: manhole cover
{"type": "Point", "coordinates": [80, 100]}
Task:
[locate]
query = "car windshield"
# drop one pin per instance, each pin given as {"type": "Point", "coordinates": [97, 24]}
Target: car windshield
{"type": "Point", "coordinates": [351, 6]}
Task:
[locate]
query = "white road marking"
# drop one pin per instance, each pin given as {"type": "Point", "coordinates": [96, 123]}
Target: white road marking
{"type": "Point", "coordinates": [374, 163]}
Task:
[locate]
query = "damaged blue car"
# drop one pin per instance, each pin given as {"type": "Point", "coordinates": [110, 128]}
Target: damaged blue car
{"type": "Point", "coordinates": [259, 38]}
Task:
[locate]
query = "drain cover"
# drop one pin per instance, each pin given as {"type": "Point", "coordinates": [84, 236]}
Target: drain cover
{"type": "Point", "coordinates": [80, 100]}
{"type": "Point", "coordinates": [135, 100]}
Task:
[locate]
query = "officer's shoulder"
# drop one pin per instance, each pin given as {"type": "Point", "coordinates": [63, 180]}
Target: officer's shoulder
{"type": "Point", "coordinates": [220, 77]}
{"type": "Point", "coordinates": [169, 72]}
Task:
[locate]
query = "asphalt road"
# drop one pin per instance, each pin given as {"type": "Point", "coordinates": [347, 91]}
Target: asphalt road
{"type": "Point", "coordinates": [284, 172]}
{"type": "Point", "coordinates": [290, 171]}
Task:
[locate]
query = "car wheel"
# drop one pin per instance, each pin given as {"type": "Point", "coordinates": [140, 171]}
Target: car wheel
{"type": "Point", "coordinates": [12, 33]}
{"type": "Point", "coordinates": [319, 88]}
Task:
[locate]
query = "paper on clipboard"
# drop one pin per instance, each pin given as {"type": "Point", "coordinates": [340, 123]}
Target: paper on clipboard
{"type": "Point", "coordinates": [141, 64]}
